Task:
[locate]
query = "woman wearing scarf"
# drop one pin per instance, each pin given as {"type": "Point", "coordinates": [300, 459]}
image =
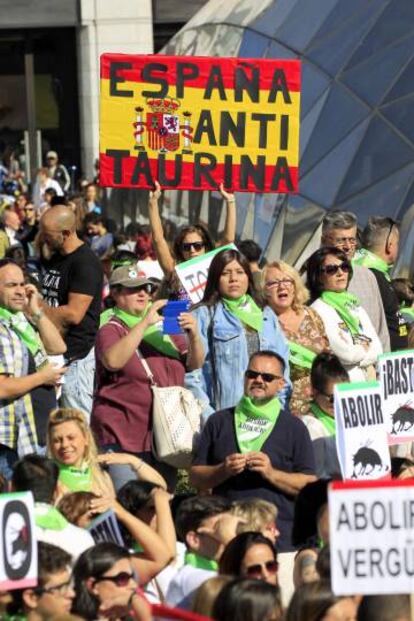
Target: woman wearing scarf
{"type": "Point", "coordinates": [351, 334]}
{"type": "Point", "coordinates": [121, 417]}
{"type": "Point", "coordinates": [303, 328]}
{"type": "Point", "coordinates": [327, 371]}
{"type": "Point", "coordinates": [233, 324]}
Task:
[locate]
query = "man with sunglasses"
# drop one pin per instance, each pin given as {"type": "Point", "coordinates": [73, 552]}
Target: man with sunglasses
{"type": "Point", "coordinates": [326, 372]}
{"type": "Point", "coordinates": [54, 592]}
{"type": "Point", "coordinates": [28, 230]}
{"type": "Point", "coordinates": [257, 449]}
{"type": "Point", "coordinates": [339, 229]}
{"type": "Point", "coordinates": [380, 239]}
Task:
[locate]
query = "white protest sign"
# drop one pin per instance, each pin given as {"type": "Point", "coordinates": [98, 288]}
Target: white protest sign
{"type": "Point", "coordinates": [105, 528]}
{"type": "Point", "coordinates": [371, 537]}
{"type": "Point", "coordinates": [18, 549]}
{"type": "Point", "coordinates": [397, 391]}
{"type": "Point", "coordinates": [193, 273]}
{"type": "Point", "coordinates": [361, 436]}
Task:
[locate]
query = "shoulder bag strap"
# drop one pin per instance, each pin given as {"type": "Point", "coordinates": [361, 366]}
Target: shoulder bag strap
{"type": "Point", "coordinates": [143, 361]}
{"type": "Point", "coordinates": [146, 368]}
{"type": "Point", "coordinates": [210, 341]}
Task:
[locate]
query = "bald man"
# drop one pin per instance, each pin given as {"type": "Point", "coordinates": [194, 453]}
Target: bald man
{"type": "Point", "coordinates": [72, 289]}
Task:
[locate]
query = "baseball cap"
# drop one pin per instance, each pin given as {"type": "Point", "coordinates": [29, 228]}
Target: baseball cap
{"type": "Point", "coordinates": [51, 155]}
{"type": "Point", "coordinates": [128, 276]}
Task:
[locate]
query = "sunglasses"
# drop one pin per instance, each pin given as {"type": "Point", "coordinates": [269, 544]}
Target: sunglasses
{"type": "Point", "coordinates": [147, 287]}
{"type": "Point", "coordinates": [266, 377]}
{"type": "Point", "coordinates": [392, 224]}
{"type": "Point", "coordinates": [121, 580]}
{"type": "Point", "coordinates": [256, 571]}
{"type": "Point", "coordinates": [187, 246]}
{"type": "Point", "coordinates": [331, 270]}
{"type": "Point", "coordinates": [59, 589]}
{"type": "Point", "coordinates": [329, 398]}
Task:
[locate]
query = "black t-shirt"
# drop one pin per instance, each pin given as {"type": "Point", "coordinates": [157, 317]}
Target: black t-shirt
{"type": "Point", "coordinates": [77, 272]}
{"type": "Point", "coordinates": [289, 448]}
{"type": "Point", "coordinates": [397, 326]}
{"type": "Point", "coordinates": [43, 402]}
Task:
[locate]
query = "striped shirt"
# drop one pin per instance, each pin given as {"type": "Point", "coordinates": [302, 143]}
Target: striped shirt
{"type": "Point", "coordinates": [17, 424]}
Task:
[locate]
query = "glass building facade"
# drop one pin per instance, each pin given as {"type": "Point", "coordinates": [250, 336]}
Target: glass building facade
{"type": "Point", "coordinates": [357, 129]}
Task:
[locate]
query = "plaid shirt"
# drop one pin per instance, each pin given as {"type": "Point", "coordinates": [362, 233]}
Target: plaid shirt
{"type": "Point", "coordinates": [17, 424]}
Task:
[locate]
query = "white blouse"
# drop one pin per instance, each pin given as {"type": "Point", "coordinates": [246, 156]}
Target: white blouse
{"type": "Point", "coordinates": [353, 355]}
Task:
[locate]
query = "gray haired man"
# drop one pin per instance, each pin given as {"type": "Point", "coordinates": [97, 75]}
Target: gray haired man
{"type": "Point", "coordinates": [339, 229]}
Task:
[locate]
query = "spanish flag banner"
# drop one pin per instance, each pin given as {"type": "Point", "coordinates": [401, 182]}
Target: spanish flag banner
{"type": "Point", "coordinates": [194, 122]}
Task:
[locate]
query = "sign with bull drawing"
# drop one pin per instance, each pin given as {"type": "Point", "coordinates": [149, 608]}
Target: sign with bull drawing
{"type": "Point", "coordinates": [397, 391]}
{"type": "Point", "coordinates": [18, 551]}
{"type": "Point", "coordinates": [361, 437]}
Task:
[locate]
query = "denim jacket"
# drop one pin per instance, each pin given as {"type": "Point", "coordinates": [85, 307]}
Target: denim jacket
{"type": "Point", "coordinates": [231, 357]}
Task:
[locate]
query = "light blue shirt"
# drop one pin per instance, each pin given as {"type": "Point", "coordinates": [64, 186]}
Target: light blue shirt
{"type": "Point", "coordinates": [231, 357]}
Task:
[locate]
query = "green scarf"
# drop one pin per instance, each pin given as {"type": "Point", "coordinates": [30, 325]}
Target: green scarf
{"type": "Point", "coordinates": [254, 423]}
{"type": "Point", "coordinates": [201, 562]}
{"type": "Point", "coordinates": [246, 310]}
{"type": "Point", "coordinates": [368, 259]}
{"type": "Point", "coordinates": [25, 331]}
{"type": "Point", "coordinates": [300, 356]}
{"type": "Point", "coordinates": [344, 302]}
{"type": "Point", "coordinates": [152, 335]}
{"type": "Point", "coordinates": [76, 479]}
{"type": "Point", "coordinates": [327, 421]}
{"type": "Point", "coordinates": [49, 517]}
{"type": "Point", "coordinates": [408, 311]}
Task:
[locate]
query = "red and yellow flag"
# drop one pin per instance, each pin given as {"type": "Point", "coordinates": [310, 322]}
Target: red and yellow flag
{"type": "Point", "coordinates": [194, 122]}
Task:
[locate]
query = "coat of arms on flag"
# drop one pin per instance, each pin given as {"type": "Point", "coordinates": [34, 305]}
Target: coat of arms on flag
{"type": "Point", "coordinates": [163, 127]}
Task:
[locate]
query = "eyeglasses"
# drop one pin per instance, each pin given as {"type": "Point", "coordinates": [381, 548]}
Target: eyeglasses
{"type": "Point", "coordinates": [187, 246]}
{"type": "Point", "coordinates": [286, 282]}
{"type": "Point", "coordinates": [266, 377]}
{"type": "Point", "coordinates": [387, 241]}
{"type": "Point", "coordinates": [341, 241]}
{"type": "Point", "coordinates": [331, 270]}
{"type": "Point", "coordinates": [59, 589]}
{"type": "Point", "coordinates": [256, 571]}
{"type": "Point", "coordinates": [121, 580]}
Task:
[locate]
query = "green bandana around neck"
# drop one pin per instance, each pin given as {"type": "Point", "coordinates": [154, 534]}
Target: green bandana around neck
{"type": "Point", "coordinates": [408, 311]}
{"type": "Point", "coordinates": [327, 421]}
{"type": "Point", "coordinates": [201, 562]}
{"type": "Point", "coordinates": [49, 517]}
{"type": "Point", "coordinates": [344, 302]}
{"type": "Point", "coordinates": [152, 335]}
{"type": "Point", "coordinates": [300, 356]}
{"type": "Point", "coordinates": [246, 310]}
{"type": "Point", "coordinates": [368, 259]}
{"type": "Point", "coordinates": [254, 423]}
{"type": "Point", "coordinates": [25, 331]}
{"type": "Point", "coordinates": [76, 479]}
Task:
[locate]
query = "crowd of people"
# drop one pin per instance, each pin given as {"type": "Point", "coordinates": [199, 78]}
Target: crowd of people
{"type": "Point", "coordinates": [243, 533]}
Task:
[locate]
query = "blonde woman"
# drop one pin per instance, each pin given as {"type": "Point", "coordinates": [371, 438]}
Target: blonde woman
{"type": "Point", "coordinates": [72, 446]}
{"type": "Point", "coordinates": [303, 328]}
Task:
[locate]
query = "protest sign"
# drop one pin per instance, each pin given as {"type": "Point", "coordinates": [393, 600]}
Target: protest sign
{"type": "Point", "coordinates": [18, 551]}
{"type": "Point", "coordinates": [194, 122]}
{"type": "Point", "coordinates": [372, 547]}
{"type": "Point", "coordinates": [105, 528]}
{"type": "Point", "coordinates": [397, 391]}
{"type": "Point", "coordinates": [193, 273]}
{"type": "Point", "coordinates": [361, 437]}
